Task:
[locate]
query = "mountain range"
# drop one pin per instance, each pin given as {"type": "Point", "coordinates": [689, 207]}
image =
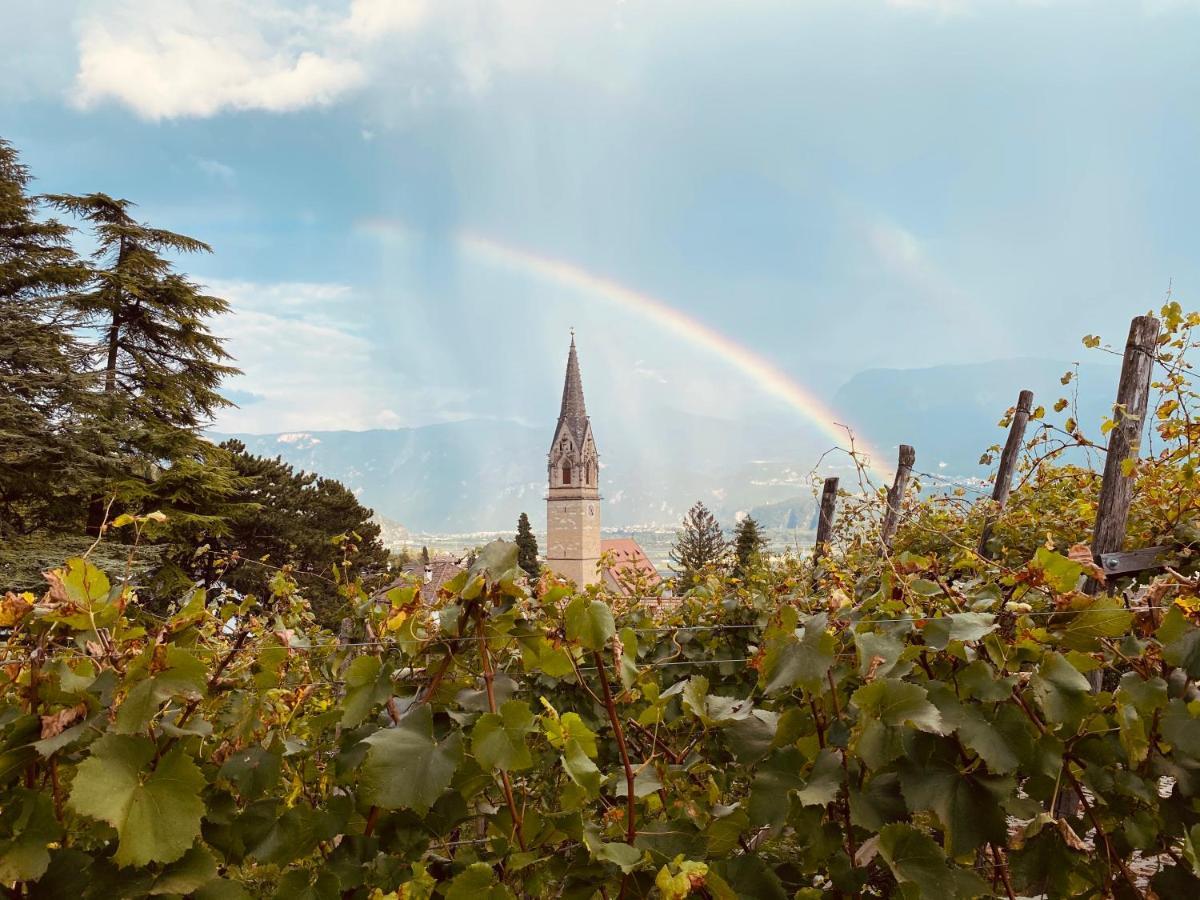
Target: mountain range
{"type": "Point", "coordinates": [480, 474]}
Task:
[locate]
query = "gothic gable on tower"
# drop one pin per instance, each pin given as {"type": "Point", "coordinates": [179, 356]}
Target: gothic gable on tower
{"type": "Point", "coordinates": [573, 459]}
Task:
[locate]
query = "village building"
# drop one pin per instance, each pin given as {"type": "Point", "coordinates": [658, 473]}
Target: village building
{"type": "Point", "coordinates": [429, 576]}
{"type": "Point", "coordinates": [573, 543]}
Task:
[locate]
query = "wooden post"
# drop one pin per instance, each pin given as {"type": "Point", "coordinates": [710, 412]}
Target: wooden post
{"type": "Point", "coordinates": [1116, 490]}
{"type": "Point", "coordinates": [1008, 465]}
{"type": "Point", "coordinates": [825, 518]}
{"type": "Point", "coordinates": [1124, 441]}
{"type": "Point", "coordinates": [895, 495]}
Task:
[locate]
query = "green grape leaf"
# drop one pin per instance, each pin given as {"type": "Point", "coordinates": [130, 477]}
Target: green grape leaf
{"type": "Point", "coordinates": [1060, 572]}
{"type": "Point", "coordinates": [366, 687]}
{"type": "Point", "coordinates": [915, 859]}
{"type": "Point", "coordinates": [156, 812]}
{"type": "Point", "coordinates": [1061, 691]}
{"type": "Point", "coordinates": [478, 882]}
{"type": "Point", "coordinates": [790, 660]}
{"type": "Point", "coordinates": [1181, 642]}
{"type": "Point", "coordinates": [581, 769]}
{"type": "Point", "coordinates": [187, 875]}
{"type": "Point", "coordinates": [823, 782]}
{"type": "Point", "coordinates": [894, 702]}
{"type": "Point", "coordinates": [406, 767]}
{"type": "Point", "coordinates": [968, 806]}
{"type": "Point", "coordinates": [968, 626]}
{"type": "Point", "coordinates": [560, 729]}
{"type": "Point", "coordinates": [873, 646]}
{"type": "Point", "coordinates": [590, 622]}
{"type": "Point", "coordinates": [24, 855]}
{"type": "Point", "coordinates": [498, 739]}
{"type": "Point", "coordinates": [184, 676]}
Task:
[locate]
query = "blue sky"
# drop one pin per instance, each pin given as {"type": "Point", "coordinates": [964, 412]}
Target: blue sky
{"type": "Point", "coordinates": [835, 185]}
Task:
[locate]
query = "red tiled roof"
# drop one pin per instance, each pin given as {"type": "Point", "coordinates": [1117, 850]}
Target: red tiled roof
{"type": "Point", "coordinates": [629, 559]}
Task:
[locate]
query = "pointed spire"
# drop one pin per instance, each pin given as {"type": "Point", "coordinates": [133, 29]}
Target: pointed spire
{"type": "Point", "coordinates": [572, 400]}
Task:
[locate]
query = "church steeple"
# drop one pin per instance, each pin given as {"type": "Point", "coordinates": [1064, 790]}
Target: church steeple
{"type": "Point", "coordinates": [573, 500]}
{"type": "Point", "coordinates": [573, 409]}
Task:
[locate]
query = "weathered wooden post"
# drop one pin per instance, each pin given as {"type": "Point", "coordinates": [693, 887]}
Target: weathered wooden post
{"type": "Point", "coordinates": [895, 495]}
{"type": "Point", "coordinates": [1008, 465]}
{"type": "Point", "coordinates": [1116, 490]}
{"type": "Point", "coordinates": [825, 518]}
{"type": "Point", "coordinates": [1124, 441]}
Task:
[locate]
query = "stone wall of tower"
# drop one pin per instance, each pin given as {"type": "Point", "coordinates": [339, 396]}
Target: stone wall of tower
{"type": "Point", "coordinates": [573, 538]}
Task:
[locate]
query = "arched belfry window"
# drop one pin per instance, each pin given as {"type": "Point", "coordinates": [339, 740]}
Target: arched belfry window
{"type": "Point", "coordinates": [566, 473]}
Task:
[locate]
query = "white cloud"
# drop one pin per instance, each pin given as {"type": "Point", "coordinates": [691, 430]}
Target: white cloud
{"type": "Point", "coordinates": [306, 370]}
{"type": "Point", "coordinates": [372, 19]}
{"type": "Point", "coordinates": [215, 169]}
{"type": "Point", "coordinates": [168, 59]}
{"type": "Point", "coordinates": [172, 58]}
{"type": "Point", "coordinates": [647, 372]}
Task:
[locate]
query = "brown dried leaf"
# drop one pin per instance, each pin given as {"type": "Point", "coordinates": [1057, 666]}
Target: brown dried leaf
{"type": "Point", "coordinates": [57, 723]}
{"type": "Point", "coordinates": [1082, 554]}
{"type": "Point", "coordinates": [1070, 838]}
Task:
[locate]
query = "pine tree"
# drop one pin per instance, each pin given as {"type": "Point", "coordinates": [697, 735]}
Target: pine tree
{"type": "Point", "coordinates": [698, 545]}
{"type": "Point", "coordinates": [157, 350]}
{"type": "Point", "coordinates": [159, 363]}
{"type": "Point", "coordinates": [527, 549]}
{"type": "Point", "coordinates": [748, 543]}
{"type": "Point", "coordinates": [49, 452]}
{"type": "Point", "coordinates": [424, 556]}
{"type": "Point", "coordinates": [289, 517]}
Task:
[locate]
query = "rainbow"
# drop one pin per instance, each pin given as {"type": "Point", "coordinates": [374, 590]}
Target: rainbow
{"type": "Point", "coordinates": [766, 376]}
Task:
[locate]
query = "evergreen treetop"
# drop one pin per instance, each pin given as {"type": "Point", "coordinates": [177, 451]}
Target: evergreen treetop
{"type": "Point", "coordinates": [156, 349]}
{"type": "Point", "coordinates": [527, 548]}
{"type": "Point", "coordinates": [46, 435]}
{"type": "Point", "coordinates": [698, 545]}
{"type": "Point", "coordinates": [748, 544]}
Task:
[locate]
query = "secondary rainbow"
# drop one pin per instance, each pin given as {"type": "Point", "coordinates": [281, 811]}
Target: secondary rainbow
{"type": "Point", "coordinates": [768, 378]}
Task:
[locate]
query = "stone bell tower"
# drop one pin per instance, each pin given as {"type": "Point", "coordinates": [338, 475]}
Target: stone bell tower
{"type": "Point", "coordinates": [573, 501]}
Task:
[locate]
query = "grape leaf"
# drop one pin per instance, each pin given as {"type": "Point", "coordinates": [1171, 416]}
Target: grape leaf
{"type": "Point", "coordinates": [498, 739]}
{"type": "Point", "coordinates": [156, 812]}
{"type": "Point", "coordinates": [406, 767]}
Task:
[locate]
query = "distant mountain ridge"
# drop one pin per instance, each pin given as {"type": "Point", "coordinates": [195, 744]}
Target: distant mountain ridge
{"type": "Point", "coordinates": [480, 474]}
{"type": "Point", "coordinates": [950, 413]}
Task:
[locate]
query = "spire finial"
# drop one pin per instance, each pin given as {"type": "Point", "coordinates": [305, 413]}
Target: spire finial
{"type": "Point", "coordinates": [572, 335]}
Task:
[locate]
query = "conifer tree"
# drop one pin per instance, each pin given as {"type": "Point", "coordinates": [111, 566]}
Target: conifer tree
{"type": "Point", "coordinates": [748, 543]}
{"type": "Point", "coordinates": [698, 545]}
{"type": "Point", "coordinates": [160, 366]}
{"type": "Point", "coordinates": [156, 351]}
{"type": "Point", "coordinates": [424, 556]}
{"type": "Point", "coordinates": [48, 453]}
{"type": "Point", "coordinates": [285, 517]}
{"type": "Point", "coordinates": [527, 549]}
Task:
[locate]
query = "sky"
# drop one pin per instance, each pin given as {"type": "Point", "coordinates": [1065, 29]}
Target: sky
{"type": "Point", "coordinates": [736, 205]}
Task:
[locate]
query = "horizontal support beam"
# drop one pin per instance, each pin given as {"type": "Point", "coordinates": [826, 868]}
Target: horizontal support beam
{"type": "Point", "coordinates": [1132, 560]}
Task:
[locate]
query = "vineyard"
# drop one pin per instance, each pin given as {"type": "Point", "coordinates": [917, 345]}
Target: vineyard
{"type": "Point", "coordinates": [949, 699]}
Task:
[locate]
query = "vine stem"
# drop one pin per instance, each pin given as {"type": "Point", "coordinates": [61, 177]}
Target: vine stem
{"type": "Point", "coordinates": [851, 845]}
{"type": "Point", "coordinates": [618, 732]}
{"type": "Point", "coordinates": [1102, 835]}
{"type": "Point", "coordinates": [1000, 863]}
{"type": "Point", "coordinates": [238, 642]}
{"type": "Point", "coordinates": [488, 677]}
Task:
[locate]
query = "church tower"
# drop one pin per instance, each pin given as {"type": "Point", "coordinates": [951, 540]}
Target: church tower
{"type": "Point", "coordinates": [573, 501]}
